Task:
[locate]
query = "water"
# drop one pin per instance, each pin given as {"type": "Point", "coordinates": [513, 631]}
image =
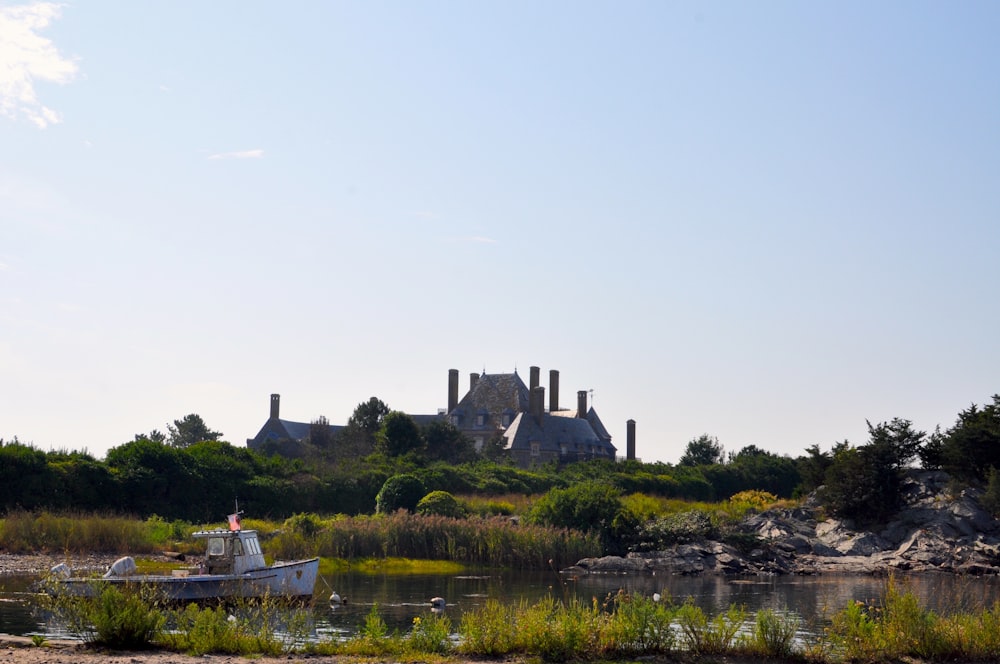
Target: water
{"type": "Point", "coordinates": [401, 598]}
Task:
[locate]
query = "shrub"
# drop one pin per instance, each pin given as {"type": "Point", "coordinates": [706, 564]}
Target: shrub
{"type": "Point", "coordinates": [759, 500]}
{"type": "Point", "coordinates": [642, 506]}
{"type": "Point", "coordinates": [430, 634]}
{"type": "Point", "coordinates": [122, 617]}
{"type": "Point", "coordinates": [489, 631]}
{"type": "Point", "coordinates": [640, 625]}
{"type": "Point", "coordinates": [588, 506]}
{"type": "Point", "coordinates": [709, 637]}
{"type": "Point", "coordinates": [373, 638]}
{"type": "Point", "coordinates": [306, 525]}
{"type": "Point", "coordinates": [440, 503]}
{"type": "Point", "coordinates": [399, 492]}
{"type": "Point", "coordinates": [555, 632]}
{"type": "Point", "coordinates": [773, 634]}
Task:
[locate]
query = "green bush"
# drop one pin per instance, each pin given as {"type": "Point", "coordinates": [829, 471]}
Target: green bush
{"type": "Point", "coordinates": [641, 626]}
{"type": "Point", "coordinates": [488, 631]}
{"type": "Point", "coordinates": [257, 626]}
{"type": "Point", "coordinates": [399, 492]}
{"type": "Point", "coordinates": [588, 506]}
{"type": "Point", "coordinates": [709, 637]}
{"type": "Point", "coordinates": [773, 634]}
{"type": "Point", "coordinates": [126, 617]}
{"type": "Point", "coordinates": [306, 525]}
{"type": "Point", "coordinates": [440, 503]}
{"type": "Point", "coordinates": [431, 633]}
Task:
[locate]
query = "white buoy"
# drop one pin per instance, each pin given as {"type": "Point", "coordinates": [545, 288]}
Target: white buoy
{"type": "Point", "coordinates": [335, 598]}
{"type": "Point", "coordinates": [656, 597]}
{"type": "Point", "coordinates": [438, 602]}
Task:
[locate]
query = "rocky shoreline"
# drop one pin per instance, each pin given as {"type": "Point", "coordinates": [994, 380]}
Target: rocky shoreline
{"type": "Point", "coordinates": [935, 531]}
{"type": "Point", "coordinates": [40, 563]}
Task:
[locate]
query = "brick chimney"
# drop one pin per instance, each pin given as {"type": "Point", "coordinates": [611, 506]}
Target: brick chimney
{"type": "Point", "coordinates": [452, 389]}
{"type": "Point", "coordinates": [581, 404]}
{"type": "Point", "coordinates": [538, 403]}
{"type": "Point", "coordinates": [533, 381]}
{"type": "Point", "coordinates": [630, 440]}
{"type": "Point", "coordinates": [275, 405]}
{"type": "Point", "coordinates": [553, 390]}
{"type": "Point", "coordinates": [473, 379]}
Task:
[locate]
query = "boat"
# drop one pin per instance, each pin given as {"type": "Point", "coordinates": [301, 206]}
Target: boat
{"type": "Point", "coordinates": [233, 567]}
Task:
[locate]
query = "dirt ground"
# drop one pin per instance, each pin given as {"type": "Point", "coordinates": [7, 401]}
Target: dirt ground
{"type": "Point", "coordinates": [61, 652]}
{"type": "Point", "coordinates": [70, 653]}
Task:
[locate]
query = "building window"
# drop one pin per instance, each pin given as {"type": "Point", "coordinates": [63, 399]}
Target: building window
{"type": "Point", "coordinates": [536, 449]}
{"type": "Point", "coordinates": [480, 419]}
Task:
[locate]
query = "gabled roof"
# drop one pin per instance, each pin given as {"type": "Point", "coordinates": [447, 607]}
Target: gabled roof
{"type": "Point", "coordinates": [278, 429]}
{"type": "Point", "coordinates": [493, 394]}
{"type": "Point", "coordinates": [555, 433]}
{"type": "Point", "coordinates": [597, 425]}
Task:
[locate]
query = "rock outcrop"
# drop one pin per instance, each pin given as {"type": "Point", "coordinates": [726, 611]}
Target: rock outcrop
{"type": "Point", "coordinates": [934, 531]}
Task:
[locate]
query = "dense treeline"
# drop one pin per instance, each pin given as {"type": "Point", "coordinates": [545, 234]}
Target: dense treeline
{"type": "Point", "coordinates": [201, 482]}
{"type": "Point", "coordinates": [190, 474]}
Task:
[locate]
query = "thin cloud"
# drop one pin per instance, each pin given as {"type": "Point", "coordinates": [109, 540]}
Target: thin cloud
{"type": "Point", "coordinates": [243, 154]}
{"type": "Point", "coordinates": [28, 57]}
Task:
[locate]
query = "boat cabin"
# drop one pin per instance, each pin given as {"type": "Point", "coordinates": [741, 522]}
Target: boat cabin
{"type": "Point", "coordinates": [231, 551]}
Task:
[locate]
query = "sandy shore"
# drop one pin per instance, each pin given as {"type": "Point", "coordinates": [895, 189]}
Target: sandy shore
{"type": "Point", "coordinates": [18, 650]}
{"type": "Point", "coordinates": [67, 653]}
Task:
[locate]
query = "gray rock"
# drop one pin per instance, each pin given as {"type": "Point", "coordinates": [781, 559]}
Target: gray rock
{"type": "Point", "coordinates": [934, 530]}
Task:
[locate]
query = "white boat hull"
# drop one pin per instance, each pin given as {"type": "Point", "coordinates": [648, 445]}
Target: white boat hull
{"type": "Point", "coordinates": [290, 580]}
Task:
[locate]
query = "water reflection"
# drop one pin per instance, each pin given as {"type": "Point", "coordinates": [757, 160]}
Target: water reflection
{"type": "Point", "coordinates": [401, 598]}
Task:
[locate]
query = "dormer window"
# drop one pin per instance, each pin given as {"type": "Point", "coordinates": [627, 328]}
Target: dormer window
{"type": "Point", "coordinates": [480, 419]}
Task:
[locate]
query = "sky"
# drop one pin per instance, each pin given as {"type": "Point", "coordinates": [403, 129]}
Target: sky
{"type": "Point", "coordinates": [768, 222]}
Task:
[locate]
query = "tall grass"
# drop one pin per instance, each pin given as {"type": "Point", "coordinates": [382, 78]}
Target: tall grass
{"type": "Point", "coordinates": [491, 542]}
{"type": "Point", "coordinates": [898, 627]}
{"type": "Point", "coordinates": [33, 532]}
{"type": "Point", "coordinates": [499, 505]}
{"type": "Point", "coordinates": [488, 542]}
{"type": "Point", "coordinates": [894, 628]}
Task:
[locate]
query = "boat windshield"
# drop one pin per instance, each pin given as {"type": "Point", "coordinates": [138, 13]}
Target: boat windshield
{"type": "Point", "coordinates": [216, 546]}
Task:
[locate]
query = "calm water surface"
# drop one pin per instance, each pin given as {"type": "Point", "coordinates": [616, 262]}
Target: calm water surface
{"type": "Point", "coordinates": [401, 598]}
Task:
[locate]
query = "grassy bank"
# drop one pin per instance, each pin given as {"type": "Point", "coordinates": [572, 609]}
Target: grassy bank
{"type": "Point", "coordinates": [894, 628]}
{"type": "Point", "coordinates": [486, 542]}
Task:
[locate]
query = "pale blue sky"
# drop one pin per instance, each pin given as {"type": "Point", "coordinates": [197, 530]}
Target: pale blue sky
{"type": "Point", "coordinates": [765, 221]}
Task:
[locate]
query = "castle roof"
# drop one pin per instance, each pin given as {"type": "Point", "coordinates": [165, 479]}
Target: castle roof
{"type": "Point", "coordinates": [557, 434]}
